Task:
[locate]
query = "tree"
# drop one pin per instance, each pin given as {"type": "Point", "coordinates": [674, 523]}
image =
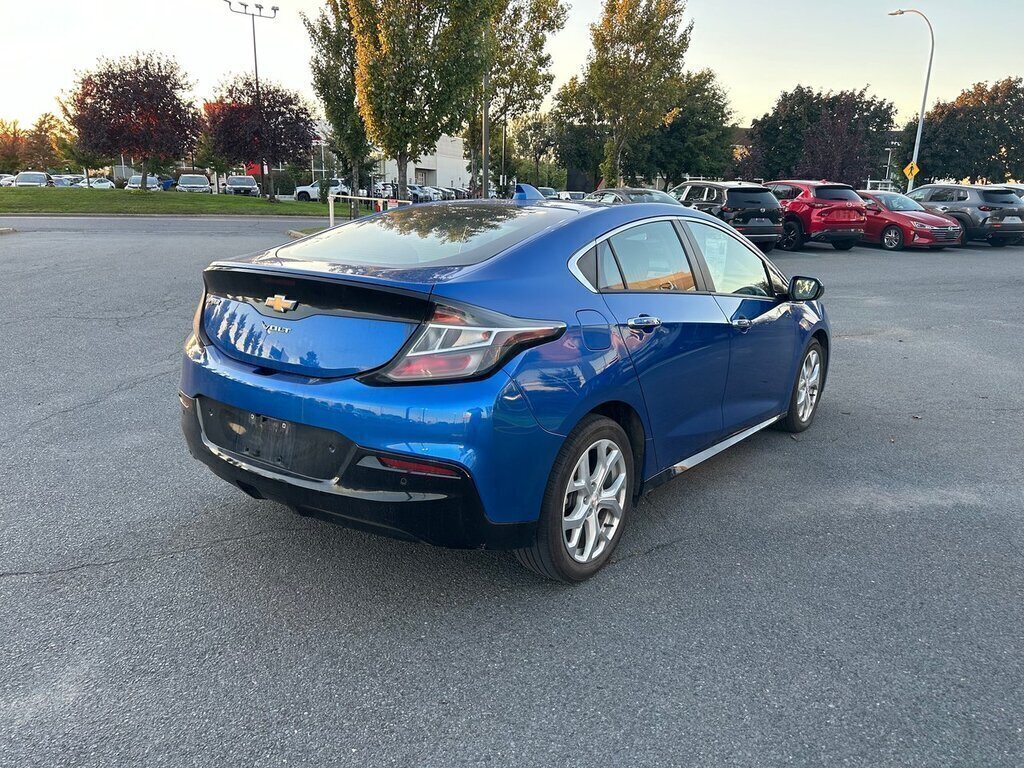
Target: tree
{"type": "Point", "coordinates": [417, 66]}
{"type": "Point", "coordinates": [74, 154]}
{"type": "Point", "coordinates": [277, 129]}
{"type": "Point", "coordinates": [334, 80]}
{"type": "Point", "coordinates": [207, 156]}
{"type": "Point", "coordinates": [534, 139]}
{"type": "Point", "coordinates": [40, 149]}
{"type": "Point", "coordinates": [638, 52]}
{"type": "Point", "coordinates": [578, 134]}
{"type": "Point", "coordinates": [135, 105]}
{"type": "Point", "coordinates": [977, 136]}
{"type": "Point", "coordinates": [12, 146]}
{"type": "Point", "coordinates": [840, 136]}
{"type": "Point", "coordinates": [696, 141]}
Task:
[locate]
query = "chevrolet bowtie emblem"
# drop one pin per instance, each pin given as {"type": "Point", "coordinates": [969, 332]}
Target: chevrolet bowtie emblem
{"type": "Point", "coordinates": [280, 303]}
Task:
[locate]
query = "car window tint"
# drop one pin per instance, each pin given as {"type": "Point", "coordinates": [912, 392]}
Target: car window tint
{"type": "Point", "coordinates": [999, 197]}
{"type": "Point", "coordinates": [652, 258]}
{"type": "Point", "coordinates": [918, 194]}
{"type": "Point", "coordinates": [733, 266]}
{"type": "Point", "coordinates": [608, 275]}
{"type": "Point", "coordinates": [837, 193]}
{"type": "Point", "coordinates": [942, 196]}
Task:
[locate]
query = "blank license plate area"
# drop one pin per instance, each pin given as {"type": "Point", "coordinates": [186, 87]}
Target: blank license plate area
{"type": "Point", "coordinates": [285, 446]}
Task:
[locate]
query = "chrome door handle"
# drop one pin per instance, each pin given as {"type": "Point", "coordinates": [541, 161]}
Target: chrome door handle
{"type": "Point", "coordinates": [644, 323]}
{"type": "Point", "coordinates": [741, 324]}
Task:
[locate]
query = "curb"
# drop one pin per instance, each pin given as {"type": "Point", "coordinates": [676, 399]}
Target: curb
{"type": "Point", "coordinates": [7, 230]}
{"type": "Point", "coordinates": [294, 234]}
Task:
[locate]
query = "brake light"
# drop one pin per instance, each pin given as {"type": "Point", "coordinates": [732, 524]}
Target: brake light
{"type": "Point", "coordinates": [458, 344]}
{"type": "Point", "coordinates": [416, 467]}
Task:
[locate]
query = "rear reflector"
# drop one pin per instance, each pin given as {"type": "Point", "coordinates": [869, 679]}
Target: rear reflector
{"type": "Point", "coordinates": [416, 467]}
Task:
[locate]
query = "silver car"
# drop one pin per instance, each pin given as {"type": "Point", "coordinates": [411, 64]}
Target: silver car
{"type": "Point", "coordinates": [991, 213]}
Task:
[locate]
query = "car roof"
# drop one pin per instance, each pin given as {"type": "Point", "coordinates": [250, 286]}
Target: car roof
{"type": "Point", "coordinates": [810, 182]}
{"type": "Point", "coordinates": [979, 187]}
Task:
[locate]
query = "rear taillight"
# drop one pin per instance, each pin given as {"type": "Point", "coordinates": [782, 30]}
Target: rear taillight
{"type": "Point", "coordinates": [461, 343]}
{"type": "Point", "coordinates": [989, 208]}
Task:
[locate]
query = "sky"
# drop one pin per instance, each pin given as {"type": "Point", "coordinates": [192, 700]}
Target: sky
{"type": "Point", "coordinates": [758, 47]}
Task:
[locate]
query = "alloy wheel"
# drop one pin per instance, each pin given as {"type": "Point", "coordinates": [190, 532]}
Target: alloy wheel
{"type": "Point", "coordinates": [892, 239]}
{"type": "Point", "coordinates": [808, 386]}
{"type": "Point", "coordinates": [594, 500]}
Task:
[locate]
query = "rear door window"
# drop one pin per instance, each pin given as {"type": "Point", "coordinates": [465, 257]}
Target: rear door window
{"type": "Point", "coordinates": [733, 266]}
{"type": "Point", "coordinates": [943, 195]}
{"type": "Point", "coordinates": [652, 258]}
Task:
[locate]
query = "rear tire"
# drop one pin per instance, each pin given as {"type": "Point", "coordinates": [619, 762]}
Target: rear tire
{"type": "Point", "coordinates": [810, 380]}
{"type": "Point", "coordinates": [587, 502]}
{"type": "Point", "coordinates": [302, 197]}
{"type": "Point", "coordinates": [766, 247]}
{"type": "Point", "coordinates": [792, 236]}
{"type": "Point", "coordinates": [998, 243]}
{"type": "Point", "coordinates": [844, 245]}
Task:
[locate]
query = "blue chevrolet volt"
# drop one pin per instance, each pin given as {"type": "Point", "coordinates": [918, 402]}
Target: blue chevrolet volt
{"type": "Point", "coordinates": [496, 374]}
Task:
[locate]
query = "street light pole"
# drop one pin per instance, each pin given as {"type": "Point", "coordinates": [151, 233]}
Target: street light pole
{"type": "Point", "coordinates": [927, 80]}
{"type": "Point", "coordinates": [258, 14]}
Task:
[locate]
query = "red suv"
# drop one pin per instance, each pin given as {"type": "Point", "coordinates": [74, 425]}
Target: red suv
{"type": "Point", "coordinates": [819, 211]}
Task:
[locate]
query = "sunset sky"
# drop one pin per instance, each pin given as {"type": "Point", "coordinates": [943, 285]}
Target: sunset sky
{"type": "Point", "coordinates": [758, 48]}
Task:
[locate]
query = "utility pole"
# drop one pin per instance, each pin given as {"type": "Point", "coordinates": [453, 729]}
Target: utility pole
{"type": "Point", "coordinates": [927, 79]}
{"type": "Point", "coordinates": [258, 14]}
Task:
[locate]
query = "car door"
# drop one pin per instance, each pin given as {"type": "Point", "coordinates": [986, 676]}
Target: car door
{"type": "Point", "coordinates": [876, 220]}
{"type": "Point", "coordinates": [677, 336]}
{"type": "Point", "coordinates": [763, 327]}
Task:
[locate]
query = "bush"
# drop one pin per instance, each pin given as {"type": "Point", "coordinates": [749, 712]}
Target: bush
{"type": "Point", "coordinates": [284, 184]}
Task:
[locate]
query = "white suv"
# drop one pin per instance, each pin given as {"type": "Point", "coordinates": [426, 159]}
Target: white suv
{"type": "Point", "coordinates": [312, 191]}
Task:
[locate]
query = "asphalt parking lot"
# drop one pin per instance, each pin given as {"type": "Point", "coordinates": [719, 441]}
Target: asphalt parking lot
{"type": "Point", "coordinates": [849, 596]}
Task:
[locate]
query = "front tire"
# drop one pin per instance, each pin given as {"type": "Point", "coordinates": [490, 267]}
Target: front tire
{"type": "Point", "coordinates": [303, 197]}
{"type": "Point", "coordinates": [892, 239]}
{"type": "Point", "coordinates": [586, 504]}
{"type": "Point", "coordinates": [810, 378]}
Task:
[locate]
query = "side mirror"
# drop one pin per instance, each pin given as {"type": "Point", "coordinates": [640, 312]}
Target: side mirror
{"type": "Point", "coordinates": [871, 206]}
{"type": "Point", "coordinates": [805, 289]}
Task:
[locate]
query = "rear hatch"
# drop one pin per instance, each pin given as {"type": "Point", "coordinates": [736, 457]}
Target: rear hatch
{"type": "Point", "coordinates": [752, 207]}
{"type": "Point", "coordinates": [1003, 209]}
{"type": "Point", "coordinates": [838, 206]}
{"type": "Point", "coordinates": [303, 324]}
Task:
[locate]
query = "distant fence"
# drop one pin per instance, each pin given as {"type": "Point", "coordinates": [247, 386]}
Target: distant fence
{"type": "Point", "coordinates": [355, 203]}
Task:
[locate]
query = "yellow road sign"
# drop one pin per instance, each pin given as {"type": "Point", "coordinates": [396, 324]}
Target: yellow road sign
{"type": "Point", "coordinates": [911, 170]}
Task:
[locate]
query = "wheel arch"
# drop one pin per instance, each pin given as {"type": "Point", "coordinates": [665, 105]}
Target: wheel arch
{"type": "Point", "coordinates": [626, 416]}
{"type": "Point", "coordinates": [821, 336]}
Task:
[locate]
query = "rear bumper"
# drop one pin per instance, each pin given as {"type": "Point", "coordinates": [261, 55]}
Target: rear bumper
{"type": "Point", "coordinates": [991, 231]}
{"type": "Point", "coordinates": [443, 511]}
{"type": "Point", "coordinates": [760, 234]}
{"type": "Point", "coordinates": [836, 234]}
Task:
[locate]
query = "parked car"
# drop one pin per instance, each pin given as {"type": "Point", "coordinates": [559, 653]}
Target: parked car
{"type": "Point", "coordinates": [97, 183]}
{"type": "Point", "coordinates": [990, 213]}
{"type": "Point", "coordinates": [5, 176]}
{"type": "Point", "coordinates": [242, 185]}
{"type": "Point", "coordinates": [616, 195]}
{"type": "Point", "coordinates": [549, 192]}
{"type": "Point", "coordinates": [194, 182]}
{"type": "Point", "coordinates": [819, 211]}
{"type": "Point", "coordinates": [152, 183]}
{"type": "Point", "coordinates": [748, 208]}
{"type": "Point", "coordinates": [312, 191]}
{"type": "Point", "coordinates": [421, 194]}
{"type": "Point", "coordinates": [496, 375]}
{"type": "Point", "coordinates": [32, 179]}
{"type": "Point", "coordinates": [896, 222]}
{"type": "Point", "coordinates": [571, 195]}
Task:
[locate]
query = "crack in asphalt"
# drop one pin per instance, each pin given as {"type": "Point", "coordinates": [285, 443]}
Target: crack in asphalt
{"type": "Point", "coordinates": [148, 557]}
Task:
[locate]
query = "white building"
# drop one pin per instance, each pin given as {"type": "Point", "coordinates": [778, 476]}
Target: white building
{"type": "Point", "coordinates": [446, 167]}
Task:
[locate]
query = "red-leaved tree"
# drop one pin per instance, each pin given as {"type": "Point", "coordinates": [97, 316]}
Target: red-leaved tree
{"type": "Point", "coordinates": [137, 106]}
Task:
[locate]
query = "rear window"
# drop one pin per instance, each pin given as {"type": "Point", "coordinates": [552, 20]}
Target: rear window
{"type": "Point", "coordinates": [193, 180]}
{"type": "Point", "coordinates": [651, 196]}
{"type": "Point", "coordinates": [1000, 197]}
{"type": "Point", "coordinates": [32, 177]}
{"type": "Point", "coordinates": [241, 181]}
{"type": "Point", "coordinates": [750, 198]}
{"type": "Point", "coordinates": [837, 193]}
{"type": "Point", "coordinates": [455, 234]}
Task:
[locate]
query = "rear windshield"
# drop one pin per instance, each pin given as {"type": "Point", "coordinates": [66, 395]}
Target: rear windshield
{"type": "Point", "coordinates": [242, 181]}
{"type": "Point", "coordinates": [193, 180]}
{"type": "Point", "coordinates": [1000, 197]}
{"type": "Point", "coordinates": [750, 198]}
{"type": "Point", "coordinates": [837, 193]}
{"type": "Point", "coordinates": [651, 196]}
{"type": "Point", "coordinates": [453, 234]}
{"type": "Point", "coordinates": [34, 177]}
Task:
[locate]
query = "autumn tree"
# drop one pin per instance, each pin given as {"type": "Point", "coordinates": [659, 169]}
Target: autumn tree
{"type": "Point", "coordinates": [638, 52]}
{"type": "Point", "coordinates": [12, 146]}
{"type": "Point", "coordinates": [417, 66]}
{"type": "Point", "coordinates": [207, 156]}
{"type": "Point", "coordinates": [40, 150]}
{"type": "Point", "coordinates": [137, 106]}
{"type": "Point", "coordinates": [696, 140]}
{"type": "Point", "coordinates": [979, 135]}
{"type": "Point", "coordinates": [77, 156]}
{"type": "Point", "coordinates": [278, 128]}
{"type": "Point", "coordinates": [534, 139]}
{"type": "Point", "coordinates": [334, 80]}
{"type": "Point", "coordinates": [835, 135]}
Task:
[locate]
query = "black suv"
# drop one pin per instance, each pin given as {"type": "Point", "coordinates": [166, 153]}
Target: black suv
{"type": "Point", "coordinates": [749, 208]}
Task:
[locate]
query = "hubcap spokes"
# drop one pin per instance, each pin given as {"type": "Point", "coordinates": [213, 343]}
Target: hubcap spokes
{"type": "Point", "coordinates": [892, 238]}
{"type": "Point", "coordinates": [808, 385]}
{"type": "Point", "coordinates": [594, 501]}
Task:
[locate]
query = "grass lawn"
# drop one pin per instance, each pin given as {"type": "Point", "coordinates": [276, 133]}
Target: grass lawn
{"type": "Point", "coordinates": [69, 200]}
